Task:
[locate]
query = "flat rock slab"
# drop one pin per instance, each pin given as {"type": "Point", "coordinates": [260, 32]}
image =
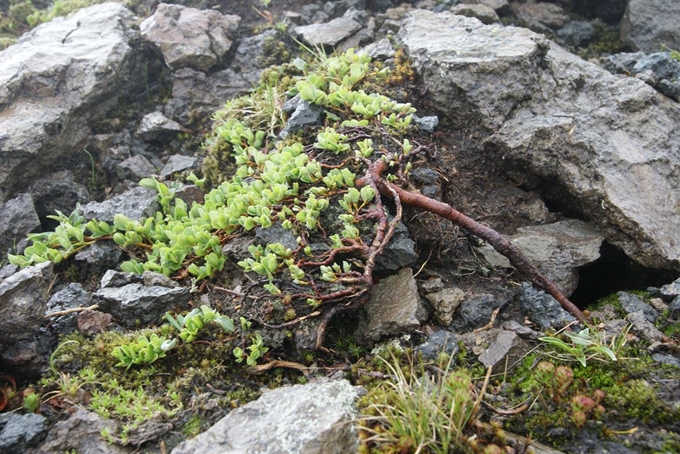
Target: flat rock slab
{"type": "Point", "coordinates": [312, 419]}
{"type": "Point", "coordinates": [54, 81]}
{"type": "Point", "coordinates": [330, 33]}
{"type": "Point", "coordinates": [609, 143]}
{"type": "Point", "coordinates": [136, 303]}
{"type": "Point", "coordinates": [648, 25]}
{"type": "Point", "coordinates": [137, 204]}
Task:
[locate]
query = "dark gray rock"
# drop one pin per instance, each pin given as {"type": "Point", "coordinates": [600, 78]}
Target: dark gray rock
{"type": "Point", "coordinates": [558, 250]}
{"type": "Point", "coordinates": [540, 17]}
{"type": "Point", "coordinates": [660, 63]}
{"type": "Point", "coordinates": [99, 257]}
{"type": "Point", "coordinates": [58, 191]}
{"type": "Point", "coordinates": [157, 127]}
{"type": "Point", "coordinates": [665, 358]}
{"type": "Point", "coordinates": [177, 163]}
{"type": "Point", "coordinates": [670, 291]}
{"type": "Point", "coordinates": [18, 219]}
{"type": "Point", "coordinates": [113, 278]}
{"type": "Point", "coordinates": [161, 280]}
{"type": "Point", "coordinates": [315, 418]}
{"type": "Point", "coordinates": [644, 328]}
{"type": "Point", "coordinates": [542, 309]}
{"type": "Point", "coordinates": [394, 307]}
{"type": "Point", "coordinates": [633, 303]}
{"type": "Point", "coordinates": [650, 25]}
{"type": "Point", "coordinates": [135, 304]}
{"type": "Point", "coordinates": [427, 124]}
{"type": "Point", "coordinates": [81, 433]}
{"type": "Point", "coordinates": [137, 204]}
{"type": "Point", "coordinates": [188, 37]}
{"type": "Point", "coordinates": [474, 312]}
{"type": "Point", "coordinates": [504, 352]}
{"type": "Point", "coordinates": [622, 63]}
{"type": "Point", "coordinates": [277, 234]}
{"type": "Point", "coordinates": [135, 168]}
{"type": "Point", "coordinates": [23, 298]}
{"type": "Point", "coordinates": [438, 342]}
{"type": "Point", "coordinates": [56, 80]}
{"type": "Point", "coordinates": [399, 252]}
{"type": "Point", "coordinates": [425, 175]}
{"type": "Point", "coordinates": [445, 302]}
{"type": "Point", "coordinates": [669, 88]}
{"type": "Point", "coordinates": [73, 295]}
{"type": "Point", "coordinates": [576, 33]}
{"type": "Point", "coordinates": [304, 115]}
{"type": "Point", "coordinates": [20, 432]}
{"type": "Point", "coordinates": [674, 308]}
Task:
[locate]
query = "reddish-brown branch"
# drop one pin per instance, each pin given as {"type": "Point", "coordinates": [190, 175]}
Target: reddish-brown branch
{"type": "Point", "coordinates": [496, 240]}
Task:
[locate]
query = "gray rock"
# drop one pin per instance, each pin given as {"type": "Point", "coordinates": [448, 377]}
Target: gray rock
{"type": "Point", "coordinates": [277, 234]}
{"type": "Point", "coordinates": [632, 303]}
{"type": "Point", "coordinates": [644, 328]}
{"type": "Point", "coordinates": [57, 79]}
{"type": "Point", "coordinates": [665, 358]}
{"type": "Point", "coordinates": [188, 37]}
{"type": "Point", "coordinates": [674, 308]}
{"type": "Point", "coordinates": [137, 204]}
{"type": "Point", "coordinates": [576, 33]}
{"type": "Point", "coordinates": [433, 284]}
{"type": "Point", "coordinates": [80, 433]}
{"type": "Point", "coordinates": [380, 50]}
{"type": "Point", "coordinates": [394, 307]}
{"type": "Point", "coordinates": [558, 250]}
{"type": "Point", "coordinates": [58, 191]}
{"type": "Point", "coordinates": [445, 302]}
{"type": "Point", "coordinates": [542, 309]}
{"type": "Point", "coordinates": [427, 124]}
{"type": "Point", "coordinates": [99, 257]}
{"type": "Point", "coordinates": [622, 63]}
{"type": "Point", "coordinates": [156, 126]}
{"type": "Point", "coordinates": [19, 432]}
{"type": "Point", "coordinates": [438, 342]}
{"type": "Point", "coordinates": [304, 115]}
{"type": "Point", "coordinates": [504, 352]}
{"type": "Point", "coordinates": [669, 88]}
{"type": "Point", "coordinates": [474, 312]}
{"type": "Point", "coordinates": [484, 13]}
{"type": "Point", "coordinates": [135, 168]}
{"type": "Point", "coordinates": [196, 95]}
{"type": "Point", "coordinates": [73, 295]}
{"type": "Point", "coordinates": [500, 6]}
{"type": "Point", "coordinates": [399, 252]}
{"type": "Point", "coordinates": [522, 331]}
{"type": "Point", "coordinates": [23, 298]}
{"type": "Point", "coordinates": [151, 279]}
{"type": "Point", "coordinates": [177, 163]}
{"type": "Point", "coordinates": [670, 291]}
{"type": "Point", "coordinates": [540, 17]}
{"type": "Point", "coordinates": [660, 63]}
{"type": "Point", "coordinates": [328, 34]}
{"type": "Point", "coordinates": [135, 304]}
{"type": "Point", "coordinates": [315, 418]}
{"type": "Point", "coordinates": [17, 221]}
{"type": "Point", "coordinates": [648, 25]}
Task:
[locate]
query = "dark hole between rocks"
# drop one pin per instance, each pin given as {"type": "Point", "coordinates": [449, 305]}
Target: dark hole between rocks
{"type": "Point", "coordinates": [614, 272]}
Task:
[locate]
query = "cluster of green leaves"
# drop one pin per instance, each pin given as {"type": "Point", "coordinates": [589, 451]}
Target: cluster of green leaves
{"type": "Point", "coordinates": [145, 350]}
{"type": "Point", "coordinates": [587, 344]}
{"type": "Point", "coordinates": [191, 324]}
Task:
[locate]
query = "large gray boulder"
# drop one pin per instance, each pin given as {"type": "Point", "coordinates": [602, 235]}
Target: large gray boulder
{"type": "Point", "coordinates": [315, 418]}
{"type": "Point", "coordinates": [56, 80]}
{"type": "Point", "coordinates": [648, 25]}
{"type": "Point", "coordinates": [609, 143]}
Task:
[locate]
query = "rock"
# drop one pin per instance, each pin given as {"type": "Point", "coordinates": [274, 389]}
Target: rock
{"type": "Point", "coordinates": [177, 163]}
{"type": "Point", "coordinates": [17, 221]}
{"type": "Point", "coordinates": [632, 303]}
{"type": "Point", "coordinates": [19, 432]}
{"type": "Point", "coordinates": [98, 257]}
{"type": "Point", "coordinates": [540, 17]}
{"type": "Point", "coordinates": [438, 342]}
{"type": "Point", "coordinates": [644, 328]}
{"type": "Point", "coordinates": [542, 309]}
{"type": "Point", "coordinates": [670, 291]}
{"type": "Point", "coordinates": [135, 304]}
{"type": "Point", "coordinates": [505, 351]}
{"type": "Point", "coordinates": [650, 25]}
{"type": "Point", "coordinates": [427, 124]}
{"type": "Point", "coordinates": [57, 79]}
{"type": "Point", "coordinates": [558, 250]}
{"type": "Point", "coordinates": [328, 34]}
{"type": "Point", "coordinates": [394, 307]}
{"type": "Point", "coordinates": [622, 63]}
{"type": "Point", "coordinates": [399, 252]}
{"type": "Point", "coordinates": [433, 284]}
{"type": "Point", "coordinates": [23, 298]}
{"type": "Point", "coordinates": [156, 126]}
{"type": "Point", "coordinates": [57, 191]}
{"type": "Point", "coordinates": [445, 302]}
{"type": "Point", "coordinates": [80, 433]}
{"type": "Point", "coordinates": [93, 322]}
{"type": "Point", "coordinates": [151, 279]}
{"type": "Point", "coordinates": [484, 13]}
{"type": "Point", "coordinates": [315, 418]}
{"type": "Point", "coordinates": [665, 358]}
{"type": "Point", "coordinates": [380, 50]}
{"type": "Point", "coordinates": [500, 6]}
{"type": "Point", "coordinates": [661, 71]}
{"type": "Point", "coordinates": [474, 312]}
{"type": "Point", "coordinates": [576, 33]}
{"type": "Point", "coordinates": [304, 115]}
{"type": "Point", "coordinates": [674, 308]}
{"type": "Point", "coordinates": [188, 37]}
{"type": "Point", "coordinates": [73, 295]}
{"type": "Point", "coordinates": [135, 168]}
{"type": "Point", "coordinates": [276, 234]}
{"type": "Point", "coordinates": [137, 204]}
